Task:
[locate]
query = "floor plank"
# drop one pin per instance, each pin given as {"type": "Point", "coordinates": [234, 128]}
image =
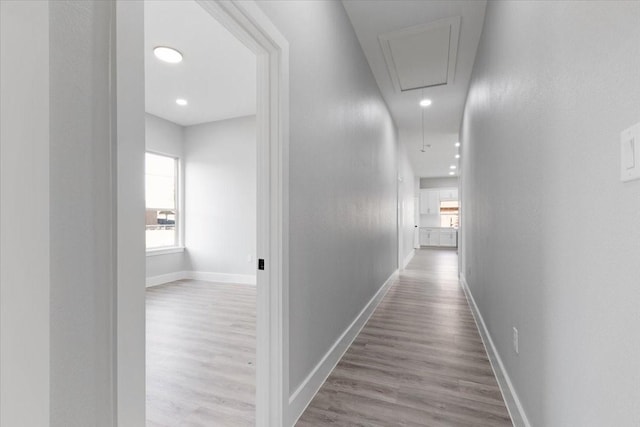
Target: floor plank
{"type": "Point", "coordinates": [201, 349]}
{"type": "Point", "coordinates": [419, 361]}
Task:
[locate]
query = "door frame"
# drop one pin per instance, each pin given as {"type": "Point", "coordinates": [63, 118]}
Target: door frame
{"type": "Point", "coordinates": [252, 27]}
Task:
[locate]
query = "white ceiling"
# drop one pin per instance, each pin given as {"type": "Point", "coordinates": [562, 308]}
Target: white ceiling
{"type": "Point", "coordinates": [217, 75]}
{"type": "Point", "coordinates": [370, 19]}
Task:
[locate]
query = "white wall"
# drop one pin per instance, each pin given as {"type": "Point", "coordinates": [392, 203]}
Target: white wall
{"type": "Point", "coordinates": [551, 237]}
{"type": "Point", "coordinates": [24, 217]}
{"type": "Point", "coordinates": [165, 137]}
{"type": "Point", "coordinates": [82, 212]}
{"type": "Point", "coordinates": [343, 179]}
{"type": "Point", "coordinates": [220, 196]}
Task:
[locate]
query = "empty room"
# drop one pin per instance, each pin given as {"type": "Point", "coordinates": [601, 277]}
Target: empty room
{"type": "Point", "coordinates": [200, 220]}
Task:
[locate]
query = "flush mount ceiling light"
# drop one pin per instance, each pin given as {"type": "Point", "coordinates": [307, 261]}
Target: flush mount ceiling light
{"type": "Point", "coordinates": [452, 167]}
{"type": "Point", "coordinates": [167, 54]}
{"type": "Point", "coordinates": [425, 102]}
{"type": "Point", "coordinates": [457, 144]}
{"type": "Point", "coordinates": [457, 156]}
{"type": "Point", "coordinates": [452, 173]}
{"type": "Point", "coordinates": [181, 102]}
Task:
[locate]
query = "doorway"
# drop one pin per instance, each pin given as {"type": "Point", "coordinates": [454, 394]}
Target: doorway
{"type": "Point", "coordinates": [200, 219]}
{"type": "Point", "coordinates": [248, 23]}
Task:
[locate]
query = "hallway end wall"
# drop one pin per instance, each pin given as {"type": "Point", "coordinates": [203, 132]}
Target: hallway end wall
{"type": "Point", "coordinates": [550, 233]}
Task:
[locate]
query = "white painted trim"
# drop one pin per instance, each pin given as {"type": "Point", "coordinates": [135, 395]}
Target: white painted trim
{"type": "Point", "coordinates": [128, 132]}
{"type": "Point", "coordinates": [161, 279]}
{"type": "Point", "coordinates": [305, 392]}
{"type": "Point", "coordinates": [207, 276]}
{"type": "Point", "coordinates": [408, 258]}
{"type": "Point", "coordinates": [512, 401]}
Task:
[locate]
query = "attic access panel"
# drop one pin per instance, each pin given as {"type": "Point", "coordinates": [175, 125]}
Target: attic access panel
{"type": "Point", "coordinates": [422, 56]}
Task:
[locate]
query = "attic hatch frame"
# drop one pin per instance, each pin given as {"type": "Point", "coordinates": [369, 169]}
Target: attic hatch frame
{"type": "Point", "coordinates": [253, 28]}
{"type": "Point", "coordinates": [454, 37]}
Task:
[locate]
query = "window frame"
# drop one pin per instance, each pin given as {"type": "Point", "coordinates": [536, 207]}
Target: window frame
{"type": "Point", "coordinates": [178, 245]}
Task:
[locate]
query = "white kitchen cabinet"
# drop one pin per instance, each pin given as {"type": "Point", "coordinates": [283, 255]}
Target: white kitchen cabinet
{"type": "Point", "coordinates": [429, 237]}
{"type": "Point", "coordinates": [449, 194]}
{"type": "Point", "coordinates": [429, 202]}
{"type": "Point", "coordinates": [449, 238]}
{"type": "Point", "coordinates": [444, 237]}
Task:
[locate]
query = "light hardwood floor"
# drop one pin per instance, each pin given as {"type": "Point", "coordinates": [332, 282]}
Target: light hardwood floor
{"type": "Point", "coordinates": [201, 351]}
{"type": "Point", "coordinates": [419, 361]}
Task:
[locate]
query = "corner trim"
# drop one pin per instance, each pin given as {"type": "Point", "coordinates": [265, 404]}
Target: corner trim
{"type": "Point", "coordinates": [511, 399]}
{"type": "Point", "coordinates": [305, 392]}
{"type": "Point", "coordinates": [408, 258]}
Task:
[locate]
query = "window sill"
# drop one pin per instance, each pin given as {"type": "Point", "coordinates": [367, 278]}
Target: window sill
{"type": "Point", "coordinates": [165, 251]}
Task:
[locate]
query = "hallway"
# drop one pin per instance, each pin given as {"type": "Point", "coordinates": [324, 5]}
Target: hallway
{"type": "Point", "coordinates": [418, 361]}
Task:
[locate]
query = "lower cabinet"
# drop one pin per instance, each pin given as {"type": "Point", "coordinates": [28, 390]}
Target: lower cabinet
{"type": "Point", "coordinates": [449, 238]}
{"type": "Point", "coordinates": [438, 237]}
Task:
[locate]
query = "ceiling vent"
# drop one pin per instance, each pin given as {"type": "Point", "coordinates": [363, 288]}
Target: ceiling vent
{"type": "Point", "coordinates": [422, 56]}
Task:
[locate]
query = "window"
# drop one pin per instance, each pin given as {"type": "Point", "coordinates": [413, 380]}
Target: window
{"type": "Point", "coordinates": [449, 213]}
{"type": "Point", "coordinates": [161, 198]}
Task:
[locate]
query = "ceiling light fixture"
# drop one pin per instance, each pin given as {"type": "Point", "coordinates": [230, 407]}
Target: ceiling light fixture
{"type": "Point", "coordinates": [452, 173]}
{"type": "Point", "coordinates": [457, 144]}
{"type": "Point", "coordinates": [181, 102]}
{"type": "Point", "coordinates": [457, 156]}
{"type": "Point", "coordinates": [167, 54]}
{"type": "Point", "coordinates": [452, 167]}
{"type": "Point", "coordinates": [425, 102]}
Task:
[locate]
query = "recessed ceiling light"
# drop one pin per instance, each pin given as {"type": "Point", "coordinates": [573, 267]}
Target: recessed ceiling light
{"type": "Point", "coordinates": [457, 156]}
{"type": "Point", "coordinates": [452, 167]}
{"type": "Point", "coordinates": [452, 173]}
{"type": "Point", "coordinates": [181, 102]}
{"type": "Point", "coordinates": [425, 102]}
{"type": "Point", "coordinates": [167, 54]}
{"type": "Point", "coordinates": [457, 144]}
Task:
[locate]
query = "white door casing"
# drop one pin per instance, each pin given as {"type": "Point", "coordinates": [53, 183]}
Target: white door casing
{"type": "Point", "coordinates": [251, 26]}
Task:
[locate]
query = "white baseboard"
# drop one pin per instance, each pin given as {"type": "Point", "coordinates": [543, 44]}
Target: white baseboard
{"type": "Point", "coordinates": [408, 258]}
{"type": "Point", "coordinates": [514, 406]}
{"type": "Point", "coordinates": [165, 278]}
{"type": "Point", "coordinates": [245, 279]}
{"type": "Point", "coordinates": [303, 395]}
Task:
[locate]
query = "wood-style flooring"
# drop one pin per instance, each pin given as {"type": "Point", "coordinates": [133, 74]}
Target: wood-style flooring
{"type": "Point", "coordinates": [201, 351]}
{"type": "Point", "coordinates": [419, 361]}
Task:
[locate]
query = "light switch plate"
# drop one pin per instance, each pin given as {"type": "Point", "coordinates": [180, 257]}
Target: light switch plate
{"type": "Point", "coordinates": [630, 153]}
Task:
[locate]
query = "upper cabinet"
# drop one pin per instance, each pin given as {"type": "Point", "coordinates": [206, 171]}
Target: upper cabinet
{"type": "Point", "coordinates": [429, 202]}
{"type": "Point", "coordinates": [449, 194]}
